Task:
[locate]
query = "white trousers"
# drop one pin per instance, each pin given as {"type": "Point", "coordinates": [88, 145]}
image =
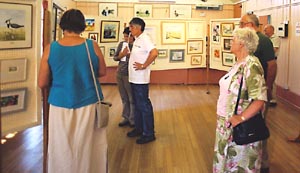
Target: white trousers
{"type": "Point", "coordinates": [75, 145]}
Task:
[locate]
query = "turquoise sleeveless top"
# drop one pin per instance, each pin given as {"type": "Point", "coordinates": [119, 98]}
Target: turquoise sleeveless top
{"type": "Point", "coordinates": [72, 82]}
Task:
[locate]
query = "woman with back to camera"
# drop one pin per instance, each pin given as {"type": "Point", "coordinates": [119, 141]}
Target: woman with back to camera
{"type": "Point", "coordinates": [75, 145]}
{"type": "Point", "coordinates": [228, 156]}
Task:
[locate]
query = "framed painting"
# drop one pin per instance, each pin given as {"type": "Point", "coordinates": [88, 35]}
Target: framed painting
{"type": "Point", "coordinates": [13, 100]}
{"type": "Point", "coordinates": [176, 55]}
{"type": "Point", "coordinates": [173, 32]}
{"type": "Point", "coordinates": [162, 53]}
{"type": "Point", "coordinates": [109, 31]}
{"type": "Point", "coordinates": [108, 9]}
{"type": "Point", "coordinates": [215, 33]}
{"type": "Point", "coordinates": [227, 29]}
{"type": "Point", "coordinates": [93, 36]}
{"type": "Point", "coordinates": [180, 11]}
{"type": "Point", "coordinates": [112, 52]}
{"type": "Point", "coordinates": [16, 25]}
{"type": "Point", "coordinates": [143, 10]}
{"type": "Point", "coordinates": [194, 47]}
{"type": "Point", "coordinates": [228, 59]}
{"type": "Point", "coordinates": [227, 43]}
{"type": "Point", "coordinates": [13, 70]}
{"type": "Point", "coordinates": [90, 24]}
{"type": "Point", "coordinates": [196, 59]}
{"type": "Point", "coordinates": [216, 54]}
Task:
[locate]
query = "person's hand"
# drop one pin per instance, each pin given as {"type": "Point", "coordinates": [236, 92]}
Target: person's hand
{"type": "Point", "coordinates": [125, 51]}
{"type": "Point", "coordinates": [138, 66]}
{"type": "Point", "coordinates": [235, 120]}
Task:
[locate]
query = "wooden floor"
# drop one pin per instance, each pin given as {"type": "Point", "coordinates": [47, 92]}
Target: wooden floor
{"type": "Point", "coordinates": [185, 122]}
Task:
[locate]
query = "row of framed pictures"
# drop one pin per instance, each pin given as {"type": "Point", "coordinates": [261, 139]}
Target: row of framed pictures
{"type": "Point", "coordinates": [145, 10]}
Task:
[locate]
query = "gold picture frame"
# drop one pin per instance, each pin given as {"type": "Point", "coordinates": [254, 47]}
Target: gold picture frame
{"type": "Point", "coordinates": [173, 33]}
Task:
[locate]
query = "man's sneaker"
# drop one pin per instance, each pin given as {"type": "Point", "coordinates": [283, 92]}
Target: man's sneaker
{"type": "Point", "coordinates": [145, 139]}
{"type": "Point", "coordinates": [124, 123]}
{"type": "Point", "coordinates": [134, 133]}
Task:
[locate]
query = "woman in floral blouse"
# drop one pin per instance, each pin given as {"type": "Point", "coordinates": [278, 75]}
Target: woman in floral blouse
{"type": "Point", "coordinates": [228, 156]}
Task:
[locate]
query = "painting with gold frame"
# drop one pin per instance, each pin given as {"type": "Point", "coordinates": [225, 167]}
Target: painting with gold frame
{"type": "Point", "coordinates": [173, 32]}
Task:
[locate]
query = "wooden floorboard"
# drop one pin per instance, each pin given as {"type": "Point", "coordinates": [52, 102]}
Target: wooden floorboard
{"type": "Point", "coordinates": [185, 121]}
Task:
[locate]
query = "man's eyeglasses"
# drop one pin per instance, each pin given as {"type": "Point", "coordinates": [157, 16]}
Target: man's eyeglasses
{"type": "Point", "coordinates": [244, 23]}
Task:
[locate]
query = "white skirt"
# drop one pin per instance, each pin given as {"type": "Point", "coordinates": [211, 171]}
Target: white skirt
{"type": "Point", "coordinates": [75, 145]}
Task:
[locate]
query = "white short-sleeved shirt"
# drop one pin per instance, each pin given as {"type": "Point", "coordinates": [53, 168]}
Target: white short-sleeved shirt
{"type": "Point", "coordinates": [276, 42]}
{"type": "Point", "coordinates": [139, 53]}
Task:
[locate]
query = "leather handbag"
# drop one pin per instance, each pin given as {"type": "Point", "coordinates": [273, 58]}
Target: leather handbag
{"type": "Point", "coordinates": [102, 107]}
{"type": "Point", "coordinates": [251, 130]}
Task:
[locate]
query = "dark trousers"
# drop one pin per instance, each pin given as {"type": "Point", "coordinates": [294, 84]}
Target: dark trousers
{"type": "Point", "coordinates": [143, 115]}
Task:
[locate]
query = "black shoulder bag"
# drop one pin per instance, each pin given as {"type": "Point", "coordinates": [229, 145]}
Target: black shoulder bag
{"type": "Point", "coordinates": [252, 130]}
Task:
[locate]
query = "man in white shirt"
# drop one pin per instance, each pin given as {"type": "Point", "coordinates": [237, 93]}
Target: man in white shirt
{"type": "Point", "coordinates": [142, 55]}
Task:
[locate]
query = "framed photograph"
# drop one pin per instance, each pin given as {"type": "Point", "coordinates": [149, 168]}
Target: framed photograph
{"type": "Point", "coordinates": [112, 52]}
{"type": "Point", "coordinates": [194, 47]}
{"type": "Point", "coordinates": [13, 70]}
{"type": "Point", "coordinates": [90, 24]}
{"type": "Point", "coordinates": [180, 11]}
{"type": "Point", "coordinates": [227, 29]}
{"type": "Point", "coordinates": [196, 30]}
{"type": "Point", "coordinates": [173, 32]}
{"type": "Point", "coordinates": [215, 33]}
{"type": "Point", "coordinates": [102, 48]}
{"type": "Point", "coordinates": [16, 25]}
{"type": "Point", "coordinates": [93, 36]}
{"type": "Point", "coordinates": [13, 100]}
{"type": "Point", "coordinates": [143, 10]}
{"type": "Point", "coordinates": [196, 59]}
{"type": "Point", "coordinates": [228, 59]}
{"type": "Point", "coordinates": [162, 53]}
{"type": "Point", "coordinates": [109, 31]}
{"type": "Point", "coordinates": [227, 44]}
{"type": "Point", "coordinates": [108, 9]}
{"type": "Point", "coordinates": [216, 54]}
{"type": "Point", "coordinates": [176, 55]}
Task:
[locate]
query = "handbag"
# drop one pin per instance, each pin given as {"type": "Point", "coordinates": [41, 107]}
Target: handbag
{"type": "Point", "coordinates": [251, 130]}
{"type": "Point", "coordinates": [102, 107]}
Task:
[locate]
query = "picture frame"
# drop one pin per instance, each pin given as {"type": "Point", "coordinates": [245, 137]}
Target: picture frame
{"type": "Point", "coordinates": [16, 32]}
{"type": "Point", "coordinates": [215, 33]}
{"type": "Point", "coordinates": [180, 11]}
{"type": "Point", "coordinates": [93, 36]}
{"type": "Point", "coordinates": [112, 51]}
{"type": "Point", "coordinates": [13, 70]}
{"type": "Point", "coordinates": [216, 54]}
{"type": "Point", "coordinates": [177, 55]}
{"type": "Point", "coordinates": [109, 31]}
{"type": "Point", "coordinates": [228, 59]}
{"type": "Point", "coordinates": [196, 30]}
{"type": "Point", "coordinates": [226, 42]}
{"type": "Point", "coordinates": [13, 100]}
{"type": "Point", "coordinates": [143, 10]}
{"type": "Point", "coordinates": [173, 33]}
{"type": "Point", "coordinates": [108, 9]}
{"type": "Point", "coordinates": [196, 59]}
{"type": "Point", "coordinates": [90, 24]}
{"type": "Point", "coordinates": [162, 53]}
{"type": "Point", "coordinates": [194, 47]}
{"type": "Point", "coordinates": [227, 29]}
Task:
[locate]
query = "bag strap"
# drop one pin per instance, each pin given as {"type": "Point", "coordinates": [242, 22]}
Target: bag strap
{"type": "Point", "coordinates": [92, 70]}
{"type": "Point", "coordinates": [239, 95]}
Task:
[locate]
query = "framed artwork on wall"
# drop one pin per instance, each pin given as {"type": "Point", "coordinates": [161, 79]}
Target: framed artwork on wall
{"type": "Point", "coordinates": [93, 36]}
{"type": "Point", "coordinates": [16, 29]}
{"type": "Point", "coordinates": [143, 10]}
{"type": "Point", "coordinates": [216, 54]}
{"type": "Point", "coordinates": [176, 55]}
{"type": "Point", "coordinates": [227, 29]}
{"type": "Point", "coordinates": [162, 53]}
{"type": "Point", "coordinates": [13, 100]}
{"type": "Point", "coordinates": [112, 52]}
{"type": "Point", "coordinates": [196, 59]}
{"type": "Point", "coordinates": [194, 47]}
{"type": "Point", "coordinates": [108, 9]}
{"type": "Point", "coordinates": [173, 32]}
{"type": "Point", "coordinates": [180, 11]}
{"type": "Point", "coordinates": [215, 33]}
{"type": "Point", "coordinates": [226, 43]}
{"type": "Point", "coordinates": [228, 59]}
{"type": "Point", "coordinates": [90, 24]}
{"type": "Point", "coordinates": [195, 30]}
{"type": "Point", "coordinates": [13, 70]}
{"type": "Point", "coordinates": [109, 31]}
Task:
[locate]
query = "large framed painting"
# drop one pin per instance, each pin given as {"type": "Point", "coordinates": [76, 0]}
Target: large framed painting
{"type": "Point", "coordinates": [108, 9]}
{"type": "Point", "coordinates": [13, 100]}
{"type": "Point", "coordinates": [109, 31]}
{"type": "Point", "coordinates": [16, 25]}
{"type": "Point", "coordinates": [173, 32]}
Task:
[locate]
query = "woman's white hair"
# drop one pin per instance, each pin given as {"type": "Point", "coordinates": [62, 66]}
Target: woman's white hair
{"type": "Point", "coordinates": [248, 37]}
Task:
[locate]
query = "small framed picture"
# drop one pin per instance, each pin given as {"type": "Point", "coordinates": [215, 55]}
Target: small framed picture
{"type": "Point", "coordinates": [176, 55]}
{"type": "Point", "coordinates": [228, 59]}
{"type": "Point", "coordinates": [162, 53]}
{"type": "Point", "coordinates": [108, 9]}
{"type": "Point", "coordinates": [215, 36]}
{"type": "Point", "coordinates": [93, 36]}
{"type": "Point", "coordinates": [109, 31]}
{"type": "Point", "coordinates": [13, 70]}
{"type": "Point", "coordinates": [196, 59]}
{"type": "Point", "coordinates": [90, 24]}
{"type": "Point", "coordinates": [143, 10]}
{"type": "Point", "coordinates": [227, 44]}
{"type": "Point", "coordinates": [194, 47]}
{"type": "Point", "coordinates": [227, 29]}
{"type": "Point", "coordinates": [216, 54]}
{"type": "Point", "coordinates": [13, 100]}
{"type": "Point", "coordinates": [112, 51]}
